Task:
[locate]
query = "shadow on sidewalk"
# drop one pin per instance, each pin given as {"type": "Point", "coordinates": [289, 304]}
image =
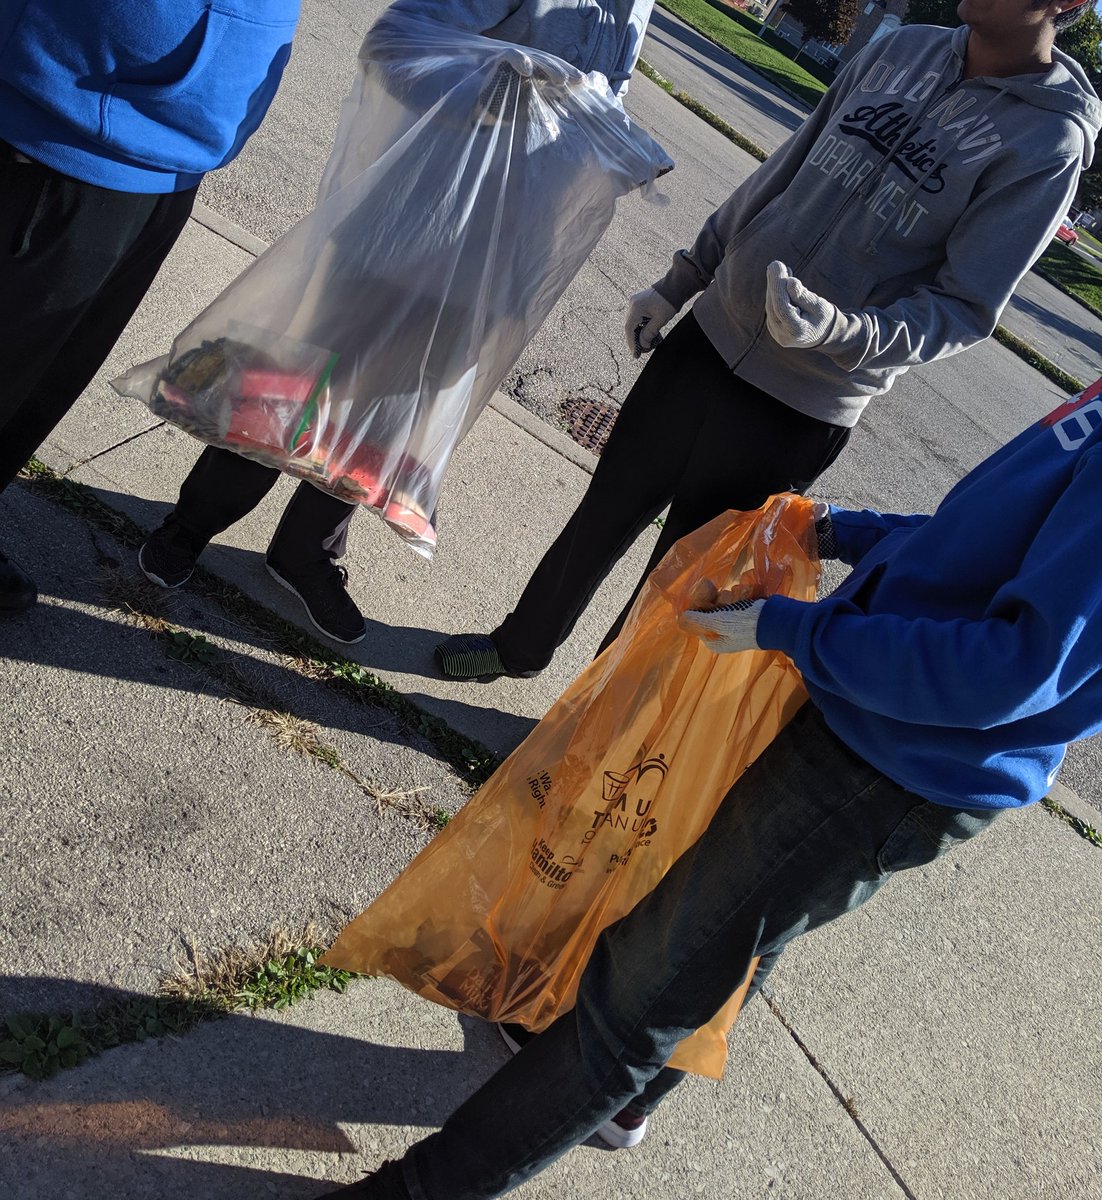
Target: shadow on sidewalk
{"type": "Point", "coordinates": [80, 569]}
{"type": "Point", "coordinates": [238, 1092]}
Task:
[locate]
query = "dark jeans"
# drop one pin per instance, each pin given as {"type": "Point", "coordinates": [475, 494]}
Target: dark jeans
{"type": "Point", "coordinates": [810, 832]}
{"type": "Point", "coordinates": [223, 487]}
{"type": "Point", "coordinates": [75, 262]}
{"type": "Point", "coordinates": [690, 435]}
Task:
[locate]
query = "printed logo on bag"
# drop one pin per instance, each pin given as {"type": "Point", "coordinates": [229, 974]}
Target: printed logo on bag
{"type": "Point", "coordinates": [556, 873]}
{"type": "Point", "coordinates": [628, 796]}
{"type": "Point", "coordinates": [540, 787]}
{"type": "Point", "coordinates": [1076, 419]}
{"type": "Point", "coordinates": [477, 989]}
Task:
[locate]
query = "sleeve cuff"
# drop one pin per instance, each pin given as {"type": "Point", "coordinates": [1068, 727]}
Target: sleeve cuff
{"type": "Point", "coordinates": [849, 339]}
{"type": "Point", "coordinates": [779, 622]}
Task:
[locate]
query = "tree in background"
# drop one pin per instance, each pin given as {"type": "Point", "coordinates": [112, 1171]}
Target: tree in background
{"type": "Point", "coordinates": [828, 21]}
{"type": "Point", "coordinates": [932, 12]}
{"type": "Point", "coordinates": [1081, 41]}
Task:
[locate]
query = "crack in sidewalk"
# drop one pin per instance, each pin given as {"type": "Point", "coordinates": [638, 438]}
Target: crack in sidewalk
{"type": "Point", "coordinates": [81, 462]}
{"type": "Point", "coordinates": [846, 1102]}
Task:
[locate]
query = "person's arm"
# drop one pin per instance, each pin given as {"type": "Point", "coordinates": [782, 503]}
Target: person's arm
{"type": "Point", "coordinates": [981, 269]}
{"type": "Point", "coordinates": [463, 16]}
{"type": "Point", "coordinates": [1040, 640]}
{"type": "Point", "coordinates": [856, 531]}
{"type": "Point", "coordinates": [694, 269]}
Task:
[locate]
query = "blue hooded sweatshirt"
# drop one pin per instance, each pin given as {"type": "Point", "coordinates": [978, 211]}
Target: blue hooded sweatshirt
{"type": "Point", "coordinates": [965, 650]}
{"type": "Point", "coordinates": [139, 95]}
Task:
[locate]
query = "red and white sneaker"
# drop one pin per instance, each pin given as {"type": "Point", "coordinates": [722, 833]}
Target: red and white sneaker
{"type": "Point", "coordinates": [624, 1130]}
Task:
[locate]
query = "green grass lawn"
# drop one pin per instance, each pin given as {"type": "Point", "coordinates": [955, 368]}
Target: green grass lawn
{"type": "Point", "coordinates": [1089, 238]}
{"type": "Point", "coordinates": [1073, 274]}
{"type": "Point", "coordinates": [745, 44]}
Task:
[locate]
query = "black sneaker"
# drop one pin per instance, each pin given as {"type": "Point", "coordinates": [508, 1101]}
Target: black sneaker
{"type": "Point", "coordinates": [169, 556]}
{"type": "Point", "coordinates": [322, 589]}
{"type": "Point", "coordinates": [17, 589]}
{"type": "Point", "coordinates": [627, 1128]}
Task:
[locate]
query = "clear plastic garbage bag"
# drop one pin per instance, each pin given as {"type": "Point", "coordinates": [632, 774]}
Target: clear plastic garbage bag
{"type": "Point", "coordinates": [469, 181]}
{"type": "Point", "coordinates": [498, 915]}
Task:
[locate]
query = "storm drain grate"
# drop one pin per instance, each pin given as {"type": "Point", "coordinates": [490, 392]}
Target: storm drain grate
{"type": "Point", "coordinates": [589, 422]}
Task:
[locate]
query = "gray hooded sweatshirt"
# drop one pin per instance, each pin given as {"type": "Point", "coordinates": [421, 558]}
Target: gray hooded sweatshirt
{"type": "Point", "coordinates": [912, 198]}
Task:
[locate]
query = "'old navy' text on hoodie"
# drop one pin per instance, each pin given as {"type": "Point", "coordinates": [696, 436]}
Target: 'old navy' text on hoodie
{"type": "Point", "coordinates": [912, 197]}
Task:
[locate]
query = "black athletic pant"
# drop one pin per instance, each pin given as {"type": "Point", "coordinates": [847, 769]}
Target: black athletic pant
{"type": "Point", "coordinates": [75, 262]}
{"type": "Point", "coordinates": [692, 435]}
{"type": "Point", "coordinates": [222, 487]}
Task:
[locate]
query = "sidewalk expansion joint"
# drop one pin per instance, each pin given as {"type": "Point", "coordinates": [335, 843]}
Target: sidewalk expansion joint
{"type": "Point", "coordinates": [82, 462]}
{"type": "Point", "coordinates": [847, 1102]}
{"type": "Point", "coordinates": [1081, 827]}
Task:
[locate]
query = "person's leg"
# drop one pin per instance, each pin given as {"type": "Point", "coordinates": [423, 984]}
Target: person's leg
{"type": "Point", "coordinates": [75, 264]}
{"type": "Point", "coordinates": [312, 534]}
{"type": "Point", "coordinates": [222, 488]}
{"type": "Point", "coordinates": [635, 479]}
{"type": "Point", "coordinates": [808, 833]}
{"type": "Point", "coordinates": [313, 529]}
{"type": "Point", "coordinates": [746, 451]}
{"type": "Point", "coordinates": [641, 1106]}
{"type": "Point", "coordinates": [219, 490]}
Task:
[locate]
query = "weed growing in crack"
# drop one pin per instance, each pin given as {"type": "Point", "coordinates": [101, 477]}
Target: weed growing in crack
{"type": "Point", "coordinates": [274, 973]}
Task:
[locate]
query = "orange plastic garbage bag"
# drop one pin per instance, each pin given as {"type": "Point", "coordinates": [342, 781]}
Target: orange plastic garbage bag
{"type": "Point", "coordinates": [498, 915]}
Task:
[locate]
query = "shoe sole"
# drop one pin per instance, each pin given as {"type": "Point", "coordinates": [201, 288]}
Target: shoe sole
{"type": "Point", "coordinates": [610, 1133]}
{"type": "Point", "coordinates": [154, 578]}
{"type": "Point", "coordinates": [619, 1138]}
{"type": "Point", "coordinates": [310, 616]}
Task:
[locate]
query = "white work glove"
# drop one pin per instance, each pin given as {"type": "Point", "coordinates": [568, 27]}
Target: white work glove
{"type": "Point", "coordinates": [519, 62]}
{"type": "Point", "coordinates": [824, 530]}
{"type": "Point", "coordinates": [648, 311]}
{"type": "Point", "coordinates": [515, 62]}
{"type": "Point", "coordinates": [553, 71]}
{"type": "Point", "coordinates": [560, 74]}
{"type": "Point", "coordinates": [726, 630]}
{"type": "Point", "coordinates": [492, 97]}
{"type": "Point", "coordinates": [798, 319]}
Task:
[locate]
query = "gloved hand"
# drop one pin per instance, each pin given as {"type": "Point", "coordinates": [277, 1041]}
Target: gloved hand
{"type": "Point", "coordinates": [559, 74]}
{"type": "Point", "coordinates": [726, 630]}
{"type": "Point", "coordinates": [491, 100]}
{"type": "Point", "coordinates": [518, 61]}
{"type": "Point", "coordinates": [801, 320]}
{"type": "Point", "coordinates": [824, 530]}
{"type": "Point", "coordinates": [648, 311]}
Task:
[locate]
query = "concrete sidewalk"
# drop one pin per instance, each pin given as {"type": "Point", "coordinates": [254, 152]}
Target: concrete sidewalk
{"type": "Point", "coordinates": [942, 1043]}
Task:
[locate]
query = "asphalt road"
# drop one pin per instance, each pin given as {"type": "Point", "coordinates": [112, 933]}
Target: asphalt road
{"type": "Point", "coordinates": [912, 445]}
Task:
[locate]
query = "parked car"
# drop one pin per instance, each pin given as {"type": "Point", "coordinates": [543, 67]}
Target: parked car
{"type": "Point", "coordinates": [1066, 234]}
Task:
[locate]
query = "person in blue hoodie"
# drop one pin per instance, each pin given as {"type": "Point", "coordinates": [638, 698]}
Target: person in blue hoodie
{"type": "Point", "coordinates": [110, 116]}
{"type": "Point", "coordinates": [605, 36]}
{"type": "Point", "coordinates": [946, 676]}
